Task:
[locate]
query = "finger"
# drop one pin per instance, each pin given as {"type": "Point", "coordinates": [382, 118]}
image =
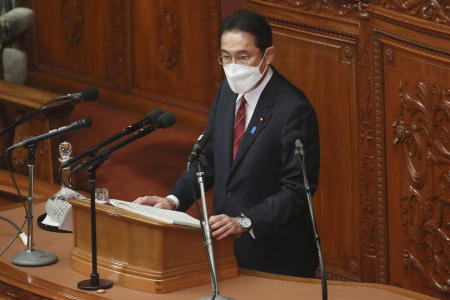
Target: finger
{"type": "Point", "coordinates": [226, 233]}
{"type": "Point", "coordinates": [215, 219]}
{"type": "Point", "coordinates": [147, 200]}
{"type": "Point", "coordinates": [219, 222]}
{"type": "Point", "coordinates": [224, 226]}
{"type": "Point", "coordinates": [162, 204]}
{"type": "Point", "coordinates": [140, 200]}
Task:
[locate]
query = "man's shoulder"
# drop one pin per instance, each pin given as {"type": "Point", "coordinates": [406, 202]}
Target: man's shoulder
{"type": "Point", "coordinates": [287, 91]}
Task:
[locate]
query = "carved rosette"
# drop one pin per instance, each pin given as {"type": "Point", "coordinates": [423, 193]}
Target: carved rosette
{"type": "Point", "coordinates": [72, 12]}
{"type": "Point", "coordinates": [169, 38]}
{"type": "Point", "coordinates": [422, 130]}
{"type": "Point", "coordinates": [437, 11]}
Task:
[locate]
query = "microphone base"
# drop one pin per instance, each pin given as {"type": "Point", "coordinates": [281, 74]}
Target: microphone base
{"type": "Point", "coordinates": [34, 258]}
{"type": "Point", "coordinates": [93, 285]}
{"type": "Point", "coordinates": [218, 297]}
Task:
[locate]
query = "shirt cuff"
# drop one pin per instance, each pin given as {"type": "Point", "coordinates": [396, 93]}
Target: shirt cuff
{"type": "Point", "coordinates": [252, 234]}
{"type": "Point", "coordinates": [175, 199]}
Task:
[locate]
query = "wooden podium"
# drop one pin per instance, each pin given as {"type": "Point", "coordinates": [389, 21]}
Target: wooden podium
{"type": "Point", "coordinates": [137, 252]}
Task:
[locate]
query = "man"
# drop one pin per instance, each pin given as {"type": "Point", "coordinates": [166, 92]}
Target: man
{"type": "Point", "coordinates": [258, 187]}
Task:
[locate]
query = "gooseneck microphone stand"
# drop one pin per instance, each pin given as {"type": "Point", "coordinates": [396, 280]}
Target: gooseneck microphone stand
{"type": "Point", "coordinates": [300, 153]}
{"type": "Point", "coordinates": [95, 282]}
{"type": "Point", "coordinates": [207, 239]}
{"type": "Point", "coordinates": [32, 257]}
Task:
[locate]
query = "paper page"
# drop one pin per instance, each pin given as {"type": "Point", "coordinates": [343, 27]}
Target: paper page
{"type": "Point", "coordinates": [163, 215]}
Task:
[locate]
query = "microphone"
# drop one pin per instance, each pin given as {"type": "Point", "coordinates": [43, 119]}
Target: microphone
{"type": "Point", "coordinates": [82, 123]}
{"type": "Point", "coordinates": [198, 146]}
{"type": "Point", "coordinates": [15, 22]}
{"type": "Point", "coordinates": [88, 94]}
{"type": "Point", "coordinates": [294, 138]}
{"type": "Point", "coordinates": [165, 120]}
{"type": "Point", "coordinates": [150, 118]}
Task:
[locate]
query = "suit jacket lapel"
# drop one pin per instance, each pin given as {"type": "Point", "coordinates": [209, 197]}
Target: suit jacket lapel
{"type": "Point", "coordinates": [260, 119]}
{"type": "Point", "coordinates": [227, 130]}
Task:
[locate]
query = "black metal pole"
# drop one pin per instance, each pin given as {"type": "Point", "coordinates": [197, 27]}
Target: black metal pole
{"type": "Point", "coordinates": [300, 156]}
{"type": "Point", "coordinates": [32, 257]}
{"type": "Point", "coordinates": [95, 282]}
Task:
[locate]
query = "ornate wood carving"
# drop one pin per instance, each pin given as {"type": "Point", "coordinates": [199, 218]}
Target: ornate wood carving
{"type": "Point", "coordinates": [366, 162]}
{"type": "Point", "coordinates": [422, 131]}
{"type": "Point", "coordinates": [72, 12]}
{"type": "Point", "coordinates": [378, 163]}
{"type": "Point", "coordinates": [169, 38]}
{"type": "Point", "coordinates": [338, 7]}
{"type": "Point", "coordinates": [437, 11]}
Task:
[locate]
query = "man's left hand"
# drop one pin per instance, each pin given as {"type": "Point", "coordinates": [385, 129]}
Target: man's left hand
{"type": "Point", "coordinates": [223, 226]}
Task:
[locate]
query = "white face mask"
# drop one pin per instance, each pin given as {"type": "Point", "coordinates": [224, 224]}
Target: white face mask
{"type": "Point", "coordinates": [243, 78]}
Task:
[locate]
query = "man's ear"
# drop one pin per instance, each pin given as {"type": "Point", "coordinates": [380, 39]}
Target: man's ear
{"type": "Point", "coordinates": [270, 54]}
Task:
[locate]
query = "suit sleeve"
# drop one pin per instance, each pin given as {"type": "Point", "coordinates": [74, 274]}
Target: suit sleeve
{"type": "Point", "coordinates": [290, 202]}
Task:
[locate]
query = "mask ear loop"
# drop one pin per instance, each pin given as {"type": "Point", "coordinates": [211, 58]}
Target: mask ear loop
{"type": "Point", "coordinates": [265, 52]}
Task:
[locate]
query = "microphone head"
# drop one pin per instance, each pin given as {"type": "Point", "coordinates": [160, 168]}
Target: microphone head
{"type": "Point", "coordinates": [15, 22]}
{"type": "Point", "coordinates": [167, 119]}
{"type": "Point", "coordinates": [154, 114]}
{"type": "Point", "coordinates": [203, 139]}
{"type": "Point", "coordinates": [292, 137]}
{"type": "Point", "coordinates": [89, 93]}
{"type": "Point", "coordinates": [83, 123]}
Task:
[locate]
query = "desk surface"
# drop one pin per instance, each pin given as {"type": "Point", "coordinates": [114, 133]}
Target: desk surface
{"type": "Point", "coordinates": [58, 281]}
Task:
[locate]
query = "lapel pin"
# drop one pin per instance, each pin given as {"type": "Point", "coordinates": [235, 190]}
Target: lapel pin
{"type": "Point", "coordinates": [253, 130]}
{"type": "Point", "coordinates": [261, 119]}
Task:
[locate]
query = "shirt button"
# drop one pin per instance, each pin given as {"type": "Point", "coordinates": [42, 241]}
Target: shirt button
{"type": "Point", "coordinates": [228, 195]}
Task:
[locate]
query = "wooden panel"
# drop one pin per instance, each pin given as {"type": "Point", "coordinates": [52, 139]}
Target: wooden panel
{"type": "Point", "coordinates": [79, 44]}
{"type": "Point", "coordinates": [305, 56]}
{"type": "Point", "coordinates": [173, 51]}
{"type": "Point", "coordinates": [140, 54]}
{"type": "Point", "coordinates": [417, 106]}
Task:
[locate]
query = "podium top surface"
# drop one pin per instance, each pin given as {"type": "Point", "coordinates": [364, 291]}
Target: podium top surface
{"type": "Point", "coordinates": [117, 212]}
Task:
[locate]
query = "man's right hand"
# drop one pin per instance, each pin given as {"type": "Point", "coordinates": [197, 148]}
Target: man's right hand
{"type": "Point", "coordinates": [155, 201]}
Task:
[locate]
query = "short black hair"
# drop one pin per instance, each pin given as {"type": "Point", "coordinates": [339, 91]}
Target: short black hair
{"type": "Point", "coordinates": [251, 22]}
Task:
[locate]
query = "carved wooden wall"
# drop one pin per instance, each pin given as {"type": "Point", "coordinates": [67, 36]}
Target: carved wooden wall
{"type": "Point", "coordinates": [378, 75]}
{"type": "Point", "coordinates": [140, 54]}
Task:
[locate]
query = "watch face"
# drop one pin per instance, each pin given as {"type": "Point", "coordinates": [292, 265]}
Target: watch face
{"type": "Point", "coordinates": [245, 222]}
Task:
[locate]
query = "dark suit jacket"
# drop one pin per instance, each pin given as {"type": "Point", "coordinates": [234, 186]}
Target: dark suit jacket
{"type": "Point", "coordinates": [264, 181]}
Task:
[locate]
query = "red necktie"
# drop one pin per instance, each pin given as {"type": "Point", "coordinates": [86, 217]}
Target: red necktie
{"type": "Point", "coordinates": [239, 126]}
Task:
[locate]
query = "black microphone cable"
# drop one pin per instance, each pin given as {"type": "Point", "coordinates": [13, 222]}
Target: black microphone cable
{"type": "Point", "coordinates": [88, 94]}
{"type": "Point", "coordinates": [21, 199]}
{"type": "Point", "coordinates": [84, 122]}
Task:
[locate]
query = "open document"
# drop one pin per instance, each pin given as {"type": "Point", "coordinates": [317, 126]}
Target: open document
{"type": "Point", "coordinates": [163, 215]}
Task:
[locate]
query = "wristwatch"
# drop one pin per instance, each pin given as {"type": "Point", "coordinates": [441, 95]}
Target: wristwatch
{"type": "Point", "coordinates": [244, 222]}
